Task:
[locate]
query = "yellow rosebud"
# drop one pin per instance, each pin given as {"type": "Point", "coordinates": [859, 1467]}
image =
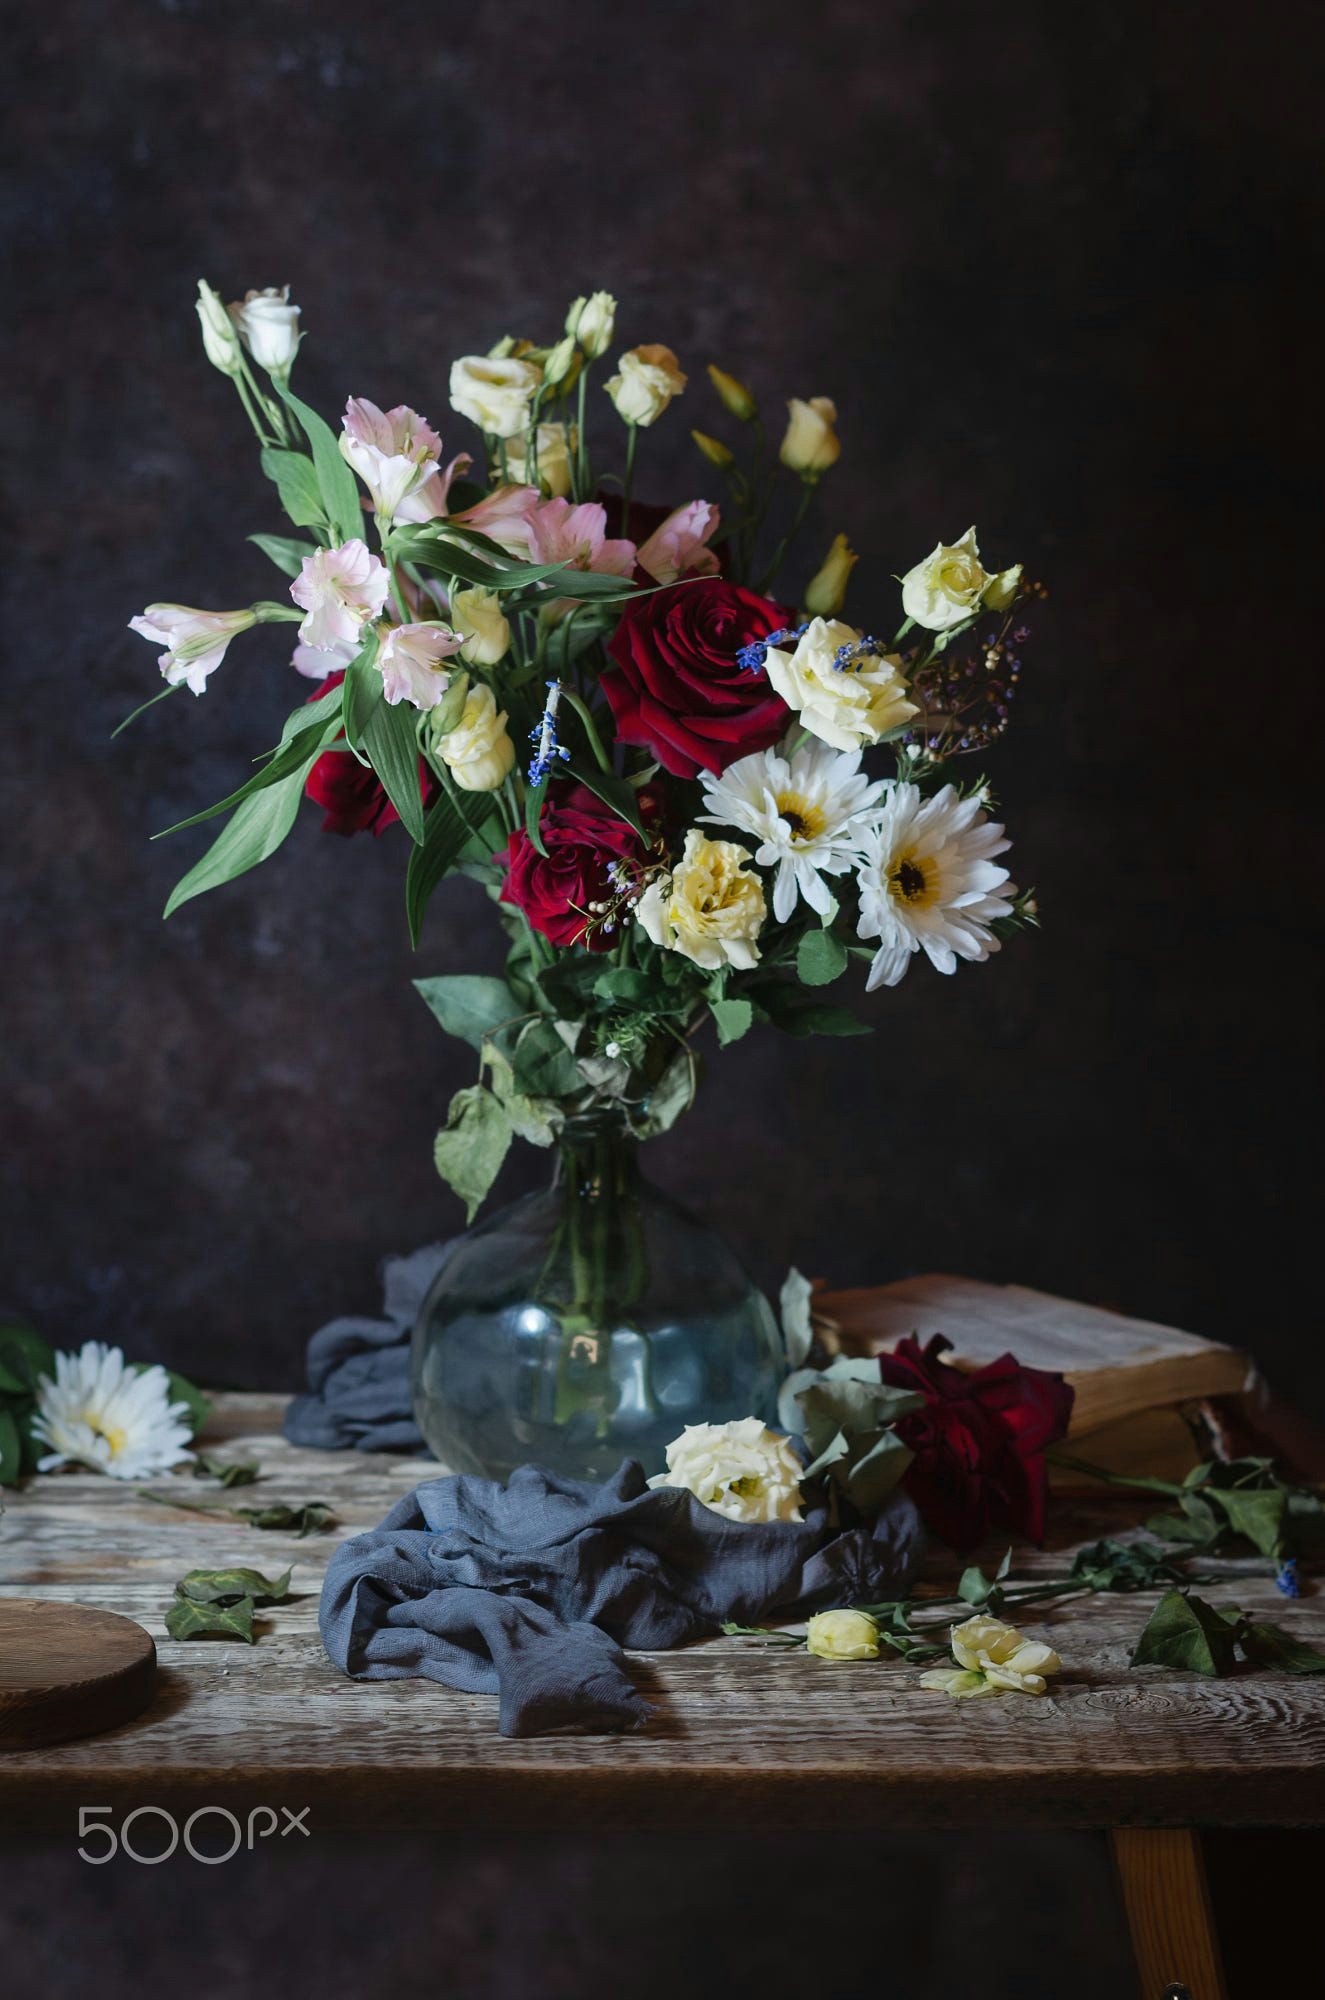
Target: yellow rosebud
{"type": "Point", "coordinates": [477, 615]}
{"type": "Point", "coordinates": [478, 752]}
{"type": "Point", "coordinates": [842, 1635]}
{"type": "Point", "coordinates": [735, 396]}
{"type": "Point", "coordinates": [714, 450]}
{"type": "Point", "coordinates": [826, 591]}
{"type": "Point", "coordinates": [811, 444]}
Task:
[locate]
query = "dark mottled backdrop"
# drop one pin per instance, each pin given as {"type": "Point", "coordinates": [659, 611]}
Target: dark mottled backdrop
{"type": "Point", "coordinates": [1054, 265]}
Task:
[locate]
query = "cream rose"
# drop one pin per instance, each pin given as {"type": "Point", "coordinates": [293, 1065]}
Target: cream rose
{"type": "Point", "coordinates": [647, 378]}
{"type": "Point", "coordinates": [993, 1658]}
{"type": "Point", "coordinates": [711, 909]}
{"type": "Point", "coordinates": [268, 325]}
{"type": "Point", "coordinates": [555, 445]}
{"type": "Point", "coordinates": [482, 625]}
{"type": "Point", "coordinates": [478, 752]}
{"type": "Point", "coordinates": [740, 1469]}
{"type": "Point", "coordinates": [592, 322]}
{"type": "Point", "coordinates": [842, 1635]}
{"type": "Point", "coordinates": [953, 584]}
{"type": "Point", "coordinates": [810, 444]}
{"type": "Point", "coordinates": [494, 393]}
{"type": "Point", "coordinates": [845, 694]}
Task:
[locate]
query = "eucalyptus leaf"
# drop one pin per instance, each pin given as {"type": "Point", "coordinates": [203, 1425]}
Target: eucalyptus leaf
{"type": "Point", "coordinates": [469, 1005]}
{"type": "Point", "coordinates": [296, 481]}
{"type": "Point", "coordinates": [874, 1472]}
{"type": "Point", "coordinates": [226, 1586]}
{"type": "Point", "coordinates": [187, 1620]}
{"type": "Point", "coordinates": [256, 829]}
{"type": "Point", "coordinates": [469, 1150]}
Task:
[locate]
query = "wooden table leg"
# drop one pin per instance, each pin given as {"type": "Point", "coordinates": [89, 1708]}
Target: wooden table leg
{"type": "Point", "coordinates": [1167, 1900]}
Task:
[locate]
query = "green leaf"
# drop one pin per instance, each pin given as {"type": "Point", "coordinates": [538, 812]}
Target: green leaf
{"type": "Point", "coordinates": [1259, 1515]}
{"type": "Point", "coordinates": [1197, 1524]}
{"type": "Point", "coordinates": [307, 1518]}
{"type": "Point", "coordinates": [11, 1449]}
{"type": "Point", "coordinates": [732, 1019]}
{"type": "Point", "coordinates": [24, 1358]}
{"type": "Point", "coordinates": [673, 1093]}
{"type": "Point", "coordinates": [820, 958]}
{"type": "Point", "coordinates": [614, 792]}
{"type": "Point", "coordinates": [534, 795]}
{"type": "Point", "coordinates": [286, 551]}
{"type": "Point", "coordinates": [299, 753]}
{"type": "Point", "coordinates": [229, 1472]}
{"type": "Point", "coordinates": [259, 825]}
{"type": "Point", "coordinates": [392, 746]}
{"type": "Point", "coordinates": [542, 1064]}
{"type": "Point", "coordinates": [789, 1009]}
{"type": "Point", "coordinates": [296, 482]}
{"type": "Point", "coordinates": [339, 490]}
{"type": "Point", "coordinates": [1270, 1646]}
{"type": "Point", "coordinates": [224, 1586]}
{"type": "Point", "coordinates": [1186, 1632]}
{"type": "Point", "coordinates": [873, 1474]}
{"type": "Point", "coordinates": [469, 1005]}
{"type": "Point", "coordinates": [469, 1150]}
{"type": "Point", "coordinates": [361, 690]}
{"type": "Point", "coordinates": [448, 825]}
{"type": "Point", "coordinates": [624, 986]}
{"type": "Point", "coordinates": [199, 1407]}
{"type": "Point", "coordinates": [187, 1620]}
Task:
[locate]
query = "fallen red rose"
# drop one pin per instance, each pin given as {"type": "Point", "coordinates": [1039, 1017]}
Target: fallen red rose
{"type": "Point", "coordinates": [980, 1440]}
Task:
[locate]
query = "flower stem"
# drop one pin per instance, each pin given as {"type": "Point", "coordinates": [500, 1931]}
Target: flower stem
{"type": "Point", "coordinates": [585, 714]}
{"type": "Point", "coordinates": [581, 454]}
{"type": "Point", "coordinates": [802, 508]}
{"type": "Point", "coordinates": [628, 481]}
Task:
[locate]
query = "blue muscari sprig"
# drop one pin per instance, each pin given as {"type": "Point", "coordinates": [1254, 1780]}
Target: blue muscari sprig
{"type": "Point", "coordinates": [1287, 1580]}
{"type": "Point", "coordinates": [750, 659]}
{"type": "Point", "coordinates": [864, 648]}
{"type": "Point", "coordinates": [544, 734]}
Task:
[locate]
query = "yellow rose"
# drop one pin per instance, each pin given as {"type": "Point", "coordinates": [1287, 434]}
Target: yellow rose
{"type": "Point", "coordinates": [478, 752]}
{"type": "Point", "coordinates": [844, 695]}
{"type": "Point", "coordinates": [825, 593]}
{"type": "Point", "coordinates": [810, 444]}
{"type": "Point", "coordinates": [494, 392]}
{"type": "Point", "coordinates": [842, 1635]}
{"type": "Point", "coordinates": [478, 617]}
{"type": "Point", "coordinates": [711, 909]}
{"type": "Point", "coordinates": [646, 381]}
{"type": "Point", "coordinates": [952, 584]}
{"type": "Point", "coordinates": [592, 322]}
{"type": "Point", "coordinates": [992, 1658]}
{"type": "Point", "coordinates": [555, 445]}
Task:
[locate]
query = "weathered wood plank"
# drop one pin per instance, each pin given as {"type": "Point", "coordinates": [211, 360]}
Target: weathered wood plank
{"type": "Point", "coordinates": [737, 1732]}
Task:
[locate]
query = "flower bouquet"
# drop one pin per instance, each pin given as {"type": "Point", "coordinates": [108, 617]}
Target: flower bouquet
{"type": "Point", "coordinates": [649, 745]}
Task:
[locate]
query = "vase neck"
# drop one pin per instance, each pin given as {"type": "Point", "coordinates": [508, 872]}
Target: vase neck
{"type": "Point", "coordinates": [596, 1157]}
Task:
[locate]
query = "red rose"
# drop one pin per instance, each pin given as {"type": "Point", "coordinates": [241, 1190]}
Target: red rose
{"type": "Point", "coordinates": [582, 837]}
{"type": "Point", "coordinates": [678, 688]}
{"type": "Point", "coordinates": [349, 792]}
{"type": "Point", "coordinates": [980, 1440]}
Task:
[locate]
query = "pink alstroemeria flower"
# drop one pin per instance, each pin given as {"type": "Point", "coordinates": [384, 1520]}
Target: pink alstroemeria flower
{"type": "Point", "coordinates": [561, 532]}
{"type": "Point", "coordinates": [195, 641]}
{"type": "Point", "coordinates": [677, 547]}
{"type": "Point", "coordinates": [504, 516]}
{"type": "Point", "coordinates": [410, 663]}
{"type": "Point", "coordinates": [340, 589]}
{"type": "Point", "coordinates": [393, 452]}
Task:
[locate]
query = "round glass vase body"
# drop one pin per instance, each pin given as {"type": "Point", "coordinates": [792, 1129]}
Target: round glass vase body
{"type": "Point", "coordinates": [588, 1324]}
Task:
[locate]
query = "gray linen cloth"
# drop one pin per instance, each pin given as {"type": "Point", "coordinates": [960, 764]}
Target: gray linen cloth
{"type": "Point", "coordinates": [530, 1590]}
{"type": "Point", "coordinates": [358, 1369]}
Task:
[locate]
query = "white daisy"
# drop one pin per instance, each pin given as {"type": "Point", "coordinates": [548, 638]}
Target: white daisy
{"type": "Point", "coordinates": [810, 812]}
{"type": "Point", "coordinates": [929, 881]}
{"type": "Point", "coordinates": [108, 1417]}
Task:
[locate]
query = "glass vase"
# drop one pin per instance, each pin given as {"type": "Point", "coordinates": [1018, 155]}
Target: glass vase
{"type": "Point", "coordinates": [588, 1324]}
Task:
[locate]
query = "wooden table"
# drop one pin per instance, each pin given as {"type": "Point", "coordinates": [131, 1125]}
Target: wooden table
{"type": "Point", "coordinates": [739, 1734]}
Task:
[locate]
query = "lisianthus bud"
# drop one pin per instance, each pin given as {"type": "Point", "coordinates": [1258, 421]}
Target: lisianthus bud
{"type": "Point", "coordinates": [478, 752]}
{"type": "Point", "coordinates": [1003, 588]}
{"type": "Point", "coordinates": [714, 450]}
{"type": "Point", "coordinates": [811, 444]}
{"type": "Point", "coordinates": [842, 1635]}
{"type": "Point", "coordinates": [647, 378]}
{"type": "Point", "coordinates": [735, 396]}
{"type": "Point", "coordinates": [826, 591]}
{"type": "Point", "coordinates": [268, 325]}
{"type": "Point", "coordinates": [592, 322]}
{"type": "Point", "coordinates": [219, 339]}
{"type": "Point", "coordinates": [478, 617]}
{"type": "Point", "coordinates": [559, 362]}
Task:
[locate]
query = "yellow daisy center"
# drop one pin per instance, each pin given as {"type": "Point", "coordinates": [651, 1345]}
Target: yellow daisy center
{"type": "Point", "coordinates": [913, 879]}
{"type": "Point", "coordinates": [805, 821]}
{"type": "Point", "coordinates": [114, 1436]}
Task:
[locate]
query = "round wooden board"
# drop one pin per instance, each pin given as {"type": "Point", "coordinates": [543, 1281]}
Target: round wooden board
{"type": "Point", "coordinates": [67, 1671]}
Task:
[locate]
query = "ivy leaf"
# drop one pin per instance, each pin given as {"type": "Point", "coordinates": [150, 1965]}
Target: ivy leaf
{"type": "Point", "coordinates": [234, 1472]}
{"type": "Point", "coordinates": [1197, 1523]}
{"type": "Point", "coordinates": [1184, 1631]}
{"type": "Point", "coordinates": [295, 480]}
{"type": "Point", "coordinates": [469, 1150]}
{"type": "Point", "coordinates": [1123, 1566]}
{"type": "Point", "coordinates": [255, 831]}
{"type": "Point", "coordinates": [1270, 1646]}
{"type": "Point", "coordinates": [187, 1620]}
{"type": "Point", "coordinates": [732, 1019]}
{"type": "Point", "coordinates": [543, 1066]}
{"type": "Point", "coordinates": [820, 958]}
{"type": "Point", "coordinates": [469, 1005]}
{"type": "Point", "coordinates": [309, 1518]}
{"type": "Point", "coordinates": [286, 551]}
{"type": "Point", "coordinates": [1257, 1515]}
{"type": "Point", "coordinates": [226, 1586]}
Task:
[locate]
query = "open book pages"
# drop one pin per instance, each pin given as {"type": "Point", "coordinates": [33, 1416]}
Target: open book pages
{"type": "Point", "coordinates": [1118, 1366]}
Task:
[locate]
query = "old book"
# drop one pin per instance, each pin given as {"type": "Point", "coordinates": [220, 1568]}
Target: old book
{"type": "Point", "coordinates": [1119, 1367]}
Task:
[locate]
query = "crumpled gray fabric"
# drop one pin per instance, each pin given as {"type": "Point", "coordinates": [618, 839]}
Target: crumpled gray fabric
{"type": "Point", "coordinates": [530, 1590]}
{"type": "Point", "coordinates": [358, 1369]}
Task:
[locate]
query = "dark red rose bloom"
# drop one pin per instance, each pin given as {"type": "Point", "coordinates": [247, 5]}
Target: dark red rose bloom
{"type": "Point", "coordinates": [677, 687]}
{"type": "Point", "coordinates": [980, 1440]}
{"type": "Point", "coordinates": [350, 794]}
{"type": "Point", "coordinates": [582, 837]}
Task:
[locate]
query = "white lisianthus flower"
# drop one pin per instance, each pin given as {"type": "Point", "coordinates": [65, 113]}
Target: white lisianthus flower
{"type": "Point", "coordinates": [393, 451]}
{"type": "Point", "coordinates": [110, 1418]}
{"type": "Point", "coordinates": [993, 1658]}
{"type": "Point", "coordinates": [555, 447]}
{"type": "Point", "coordinates": [929, 882]}
{"type": "Point", "coordinates": [494, 392]}
{"type": "Point", "coordinates": [740, 1469]}
{"type": "Point", "coordinates": [410, 663]}
{"type": "Point", "coordinates": [647, 378]}
{"type": "Point", "coordinates": [340, 589]}
{"type": "Point", "coordinates": [810, 813]}
{"type": "Point", "coordinates": [711, 908]}
{"type": "Point", "coordinates": [478, 752]}
{"type": "Point", "coordinates": [268, 325]}
{"type": "Point", "coordinates": [810, 443]}
{"type": "Point", "coordinates": [220, 341]}
{"type": "Point", "coordinates": [484, 628]}
{"type": "Point", "coordinates": [195, 641]}
{"type": "Point", "coordinates": [952, 584]}
{"type": "Point", "coordinates": [842, 1635]}
{"type": "Point", "coordinates": [592, 322]}
{"type": "Point", "coordinates": [846, 691]}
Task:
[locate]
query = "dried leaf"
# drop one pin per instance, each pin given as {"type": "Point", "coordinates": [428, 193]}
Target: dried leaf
{"type": "Point", "coordinates": [235, 1472]}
